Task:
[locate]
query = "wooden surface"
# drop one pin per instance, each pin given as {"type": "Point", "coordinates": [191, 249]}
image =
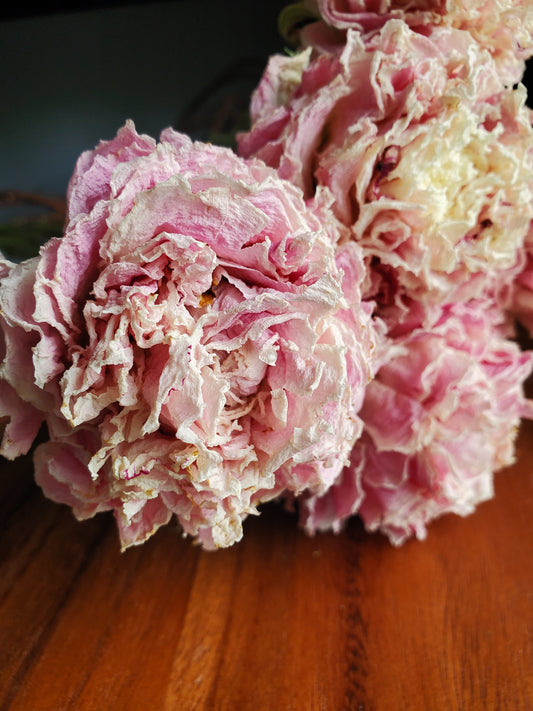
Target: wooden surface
{"type": "Point", "coordinates": [279, 621]}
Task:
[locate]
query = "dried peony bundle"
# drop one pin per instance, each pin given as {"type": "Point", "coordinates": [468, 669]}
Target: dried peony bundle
{"type": "Point", "coordinates": [405, 118]}
{"type": "Point", "coordinates": [327, 317]}
{"type": "Point", "coordinates": [189, 341]}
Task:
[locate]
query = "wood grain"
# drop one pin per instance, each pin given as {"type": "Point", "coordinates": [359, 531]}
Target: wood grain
{"type": "Point", "coordinates": [280, 621]}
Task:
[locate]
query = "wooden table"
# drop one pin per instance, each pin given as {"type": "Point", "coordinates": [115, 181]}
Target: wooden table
{"type": "Point", "coordinates": [278, 622]}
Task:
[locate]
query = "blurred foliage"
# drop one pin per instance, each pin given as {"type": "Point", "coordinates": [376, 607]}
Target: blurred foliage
{"type": "Point", "coordinates": [293, 17]}
{"type": "Point", "coordinates": [42, 218]}
{"type": "Point", "coordinates": [21, 239]}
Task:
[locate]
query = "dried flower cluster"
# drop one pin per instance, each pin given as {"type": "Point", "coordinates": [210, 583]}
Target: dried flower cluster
{"type": "Point", "coordinates": [327, 317]}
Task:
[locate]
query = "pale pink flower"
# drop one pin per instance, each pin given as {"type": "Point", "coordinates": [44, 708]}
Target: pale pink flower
{"type": "Point", "coordinates": [428, 159]}
{"type": "Point", "coordinates": [440, 418]}
{"type": "Point", "coordinates": [189, 341]}
{"type": "Point", "coordinates": [504, 27]}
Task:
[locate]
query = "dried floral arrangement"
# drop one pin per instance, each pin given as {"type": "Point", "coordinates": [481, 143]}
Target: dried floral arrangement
{"type": "Point", "coordinates": [326, 316]}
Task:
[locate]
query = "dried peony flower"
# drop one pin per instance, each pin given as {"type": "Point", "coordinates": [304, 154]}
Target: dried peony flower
{"type": "Point", "coordinates": [504, 27]}
{"type": "Point", "coordinates": [189, 341]}
{"type": "Point", "coordinates": [440, 418]}
{"type": "Point", "coordinates": [429, 160]}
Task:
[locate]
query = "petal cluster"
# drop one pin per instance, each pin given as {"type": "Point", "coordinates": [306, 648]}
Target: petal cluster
{"type": "Point", "coordinates": [503, 27]}
{"type": "Point", "coordinates": [190, 343]}
{"type": "Point", "coordinates": [440, 417]}
{"type": "Point", "coordinates": [429, 158]}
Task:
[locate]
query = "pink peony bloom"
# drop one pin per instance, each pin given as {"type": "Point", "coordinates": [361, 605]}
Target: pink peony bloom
{"type": "Point", "coordinates": [440, 418]}
{"type": "Point", "coordinates": [189, 341]}
{"type": "Point", "coordinates": [429, 160]}
{"type": "Point", "coordinates": [504, 27]}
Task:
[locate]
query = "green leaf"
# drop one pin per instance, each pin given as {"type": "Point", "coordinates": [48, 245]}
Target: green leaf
{"type": "Point", "coordinates": [21, 239]}
{"type": "Point", "coordinates": [293, 17]}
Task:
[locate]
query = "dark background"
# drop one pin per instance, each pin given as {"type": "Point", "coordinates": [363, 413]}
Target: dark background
{"type": "Point", "coordinates": [70, 78]}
